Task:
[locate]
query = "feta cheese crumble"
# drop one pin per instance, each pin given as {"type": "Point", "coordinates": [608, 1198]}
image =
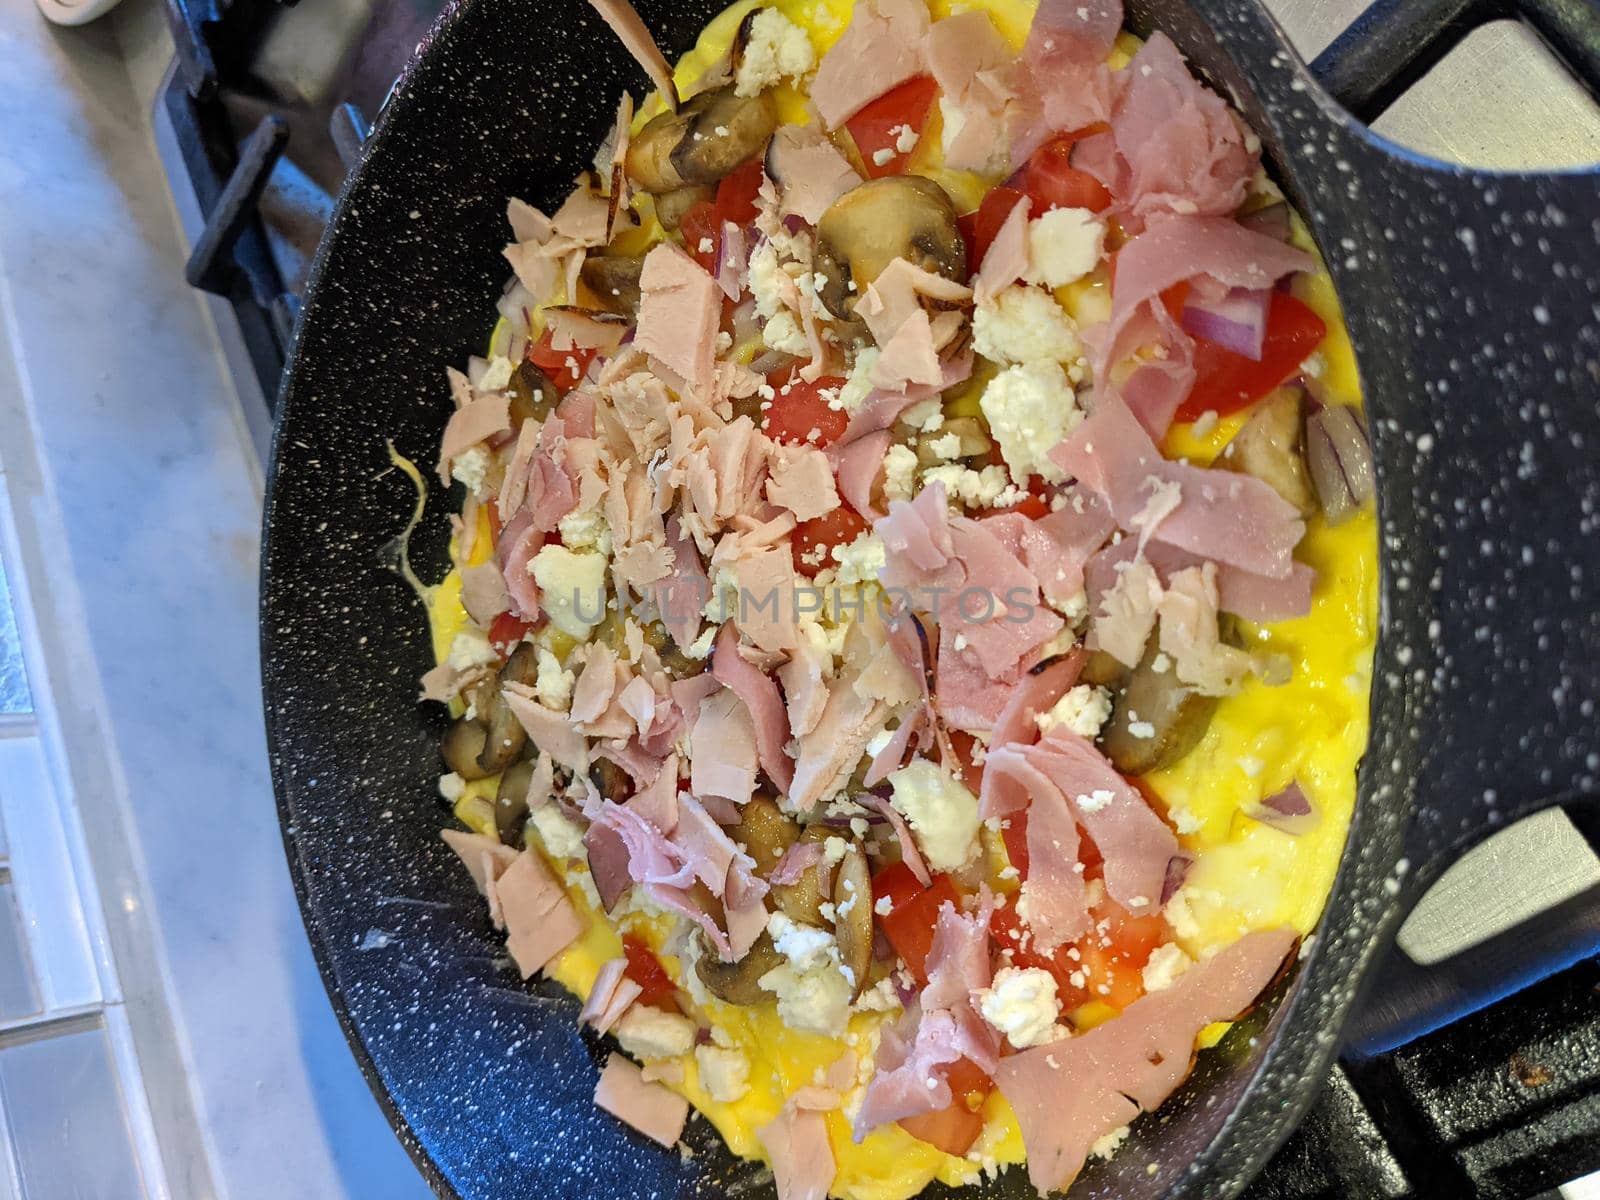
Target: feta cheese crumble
{"type": "Point", "coordinates": [899, 472]}
{"type": "Point", "coordinates": [778, 49]}
{"type": "Point", "coordinates": [553, 684]}
{"type": "Point", "coordinates": [1084, 710]}
{"type": "Point", "coordinates": [724, 1072]}
{"type": "Point", "coordinates": [573, 584]}
{"type": "Point", "coordinates": [811, 986]}
{"type": "Point", "coordinates": [469, 469]}
{"type": "Point", "coordinates": [1167, 962]}
{"type": "Point", "coordinates": [942, 813]}
{"type": "Point", "coordinates": [861, 560]}
{"type": "Point", "coordinates": [647, 1032]}
{"type": "Point", "coordinates": [1031, 408]}
{"type": "Point", "coordinates": [1021, 1003]}
{"type": "Point", "coordinates": [561, 836]}
{"type": "Point", "coordinates": [1022, 325]}
{"type": "Point", "coordinates": [1064, 245]}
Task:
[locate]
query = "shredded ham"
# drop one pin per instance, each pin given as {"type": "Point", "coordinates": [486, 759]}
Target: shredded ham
{"type": "Point", "coordinates": [551, 731]}
{"type": "Point", "coordinates": [679, 312]}
{"type": "Point", "coordinates": [611, 996]}
{"type": "Point", "coordinates": [897, 295]}
{"type": "Point", "coordinates": [1006, 260]}
{"type": "Point", "coordinates": [483, 593]}
{"type": "Point", "coordinates": [796, 1142]}
{"type": "Point", "coordinates": [880, 49]}
{"type": "Point", "coordinates": [902, 832]}
{"type": "Point", "coordinates": [809, 170]}
{"type": "Point", "coordinates": [540, 920]}
{"type": "Point", "coordinates": [1036, 692]}
{"type": "Point", "coordinates": [759, 694]}
{"type": "Point", "coordinates": [724, 755]}
{"type": "Point", "coordinates": [978, 77]}
{"type": "Point", "coordinates": [1069, 1094]}
{"type": "Point", "coordinates": [485, 416]}
{"type": "Point", "coordinates": [860, 465]}
{"type": "Point", "coordinates": [652, 1109]}
{"type": "Point", "coordinates": [802, 481]}
{"type": "Point", "coordinates": [804, 687]}
{"type": "Point", "coordinates": [635, 37]}
{"type": "Point", "coordinates": [830, 751]}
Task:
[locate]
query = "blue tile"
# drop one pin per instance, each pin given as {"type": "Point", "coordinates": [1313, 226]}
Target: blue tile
{"type": "Point", "coordinates": [14, 694]}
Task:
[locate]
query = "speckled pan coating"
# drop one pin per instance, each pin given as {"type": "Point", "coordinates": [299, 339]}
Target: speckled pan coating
{"type": "Point", "coordinates": [1474, 302]}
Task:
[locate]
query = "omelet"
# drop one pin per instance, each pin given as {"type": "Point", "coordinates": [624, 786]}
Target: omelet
{"type": "Point", "coordinates": [1247, 874]}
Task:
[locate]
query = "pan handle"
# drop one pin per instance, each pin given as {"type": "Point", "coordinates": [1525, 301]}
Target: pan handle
{"type": "Point", "coordinates": [1473, 301]}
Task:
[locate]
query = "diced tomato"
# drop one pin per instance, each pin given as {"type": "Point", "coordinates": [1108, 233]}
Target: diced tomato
{"type": "Point", "coordinates": [1010, 935]}
{"type": "Point", "coordinates": [954, 1129]}
{"type": "Point", "coordinates": [982, 226]}
{"type": "Point", "coordinates": [507, 630]}
{"type": "Point", "coordinates": [800, 413]}
{"type": "Point", "coordinates": [645, 969]}
{"type": "Point", "coordinates": [877, 128]}
{"type": "Point", "coordinates": [1053, 182]}
{"type": "Point", "coordinates": [1035, 504]}
{"type": "Point", "coordinates": [736, 194]}
{"type": "Point", "coordinates": [702, 234]}
{"type": "Point", "coordinates": [965, 745]}
{"type": "Point", "coordinates": [838, 528]}
{"type": "Point", "coordinates": [1226, 382]}
{"type": "Point", "coordinates": [564, 368]}
{"type": "Point", "coordinates": [912, 913]}
{"type": "Point", "coordinates": [1112, 960]}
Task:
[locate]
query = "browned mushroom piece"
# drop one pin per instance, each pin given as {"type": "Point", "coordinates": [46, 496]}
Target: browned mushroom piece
{"type": "Point", "coordinates": [678, 664]}
{"type": "Point", "coordinates": [610, 780]}
{"type": "Point", "coordinates": [511, 802]}
{"type": "Point", "coordinates": [1155, 717]}
{"type": "Point", "coordinates": [803, 899]}
{"type": "Point", "coordinates": [532, 395]}
{"type": "Point", "coordinates": [614, 280]}
{"type": "Point", "coordinates": [737, 982]}
{"type": "Point", "coordinates": [852, 908]}
{"type": "Point", "coordinates": [971, 441]}
{"type": "Point", "coordinates": [705, 140]}
{"type": "Point", "coordinates": [672, 206]}
{"type": "Point", "coordinates": [461, 745]}
{"type": "Point", "coordinates": [867, 228]}
{"type": "Point", "coordinates": [1102, 669]}
{"type": "Point", "coordinates": [504, 736]}
{"type": "Point", "coordinates": [1271, 447]}
{"type": "Point", "coordinates": [764, 831]}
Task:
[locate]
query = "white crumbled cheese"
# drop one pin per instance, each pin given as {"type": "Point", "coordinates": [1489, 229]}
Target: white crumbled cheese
{"type": "Point", "coordinates": [765, 286]}
{"type": "Point", "coordinates": [560, 835]}
{"type": "Point", "coordinates": [1064, 245]}
{"type": "Point", "coordinates": [1021, 1003]}
{"type": "Point", "coordinates": [647, 1032]}
{"type": "Point", "coordinates": [586, 529]}
{"type": "Point", "coordinates": [942, 813]}
{"type": "Point", "coordinates": [883, 157]}
{"type": "Point", "coordinates": [975, 489]}
{"type": "Point", "coordinates": [858, 384]}
{"type": "Point", "coordinates": [884, 906]}
{"type": "Point", "coordinates": [1096, 800]}
{"type": "Point", "coordinates": [812, 990]}
{"type": "Point", "coordinates": [724, 1072]}
{"type": "Point", "coordinates": [927, 416]}
{"type": "Point", "coordinates": [860, 560]}
{"type": "Point", "coordinates": [451, 786]}
{"type": "Point", "coordinates": [899, 472]}
{"type": "Point", "coordinates": [784, 334]}
{"type": "Point", "coordinates": [572, 586]}
{"type": "Point", "coordinates": [1030, 409]}
{"type": "Point", "coordinates": [778, 49]}
{"type": "Point", "coordinates": [880, 997]}
{"type": "Point", "coordinates": [1167, 962]}
{"type": "Point", "coordinates": [834, 850]}
{"type": "Point", "coordinates": [955, 120]}
{"type": "Point", "coordinates": [1024, 324]}
{"type": "Point", "coordinates": [1074, 608]}
{"type": "Point", "coordinates": [1143, 730]}
{"type": "Point", "coordinates": [497, 375]}
{"type": "Point", "coordinates": [700, 648]}
{"type": "Point", "coordinates": [553, 683]}
{"type": "Point", "coordinates": [946, 446]}
{"type": "Point", "coordinates": [1180, 916]}
{"type": "Point", "coordinates": [905, 138]}
{"type": "Point", "coordinates": [1184, 820]}
{"type": "Point", "coordinates": [469, 469]}
{"type": "Point", "coordinates": [469, 649]}
{"type": "Point", "coordinates": [1083, 709]}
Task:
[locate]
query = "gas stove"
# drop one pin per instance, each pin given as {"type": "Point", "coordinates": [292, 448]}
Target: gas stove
{"type": "Point", "coordinates": [1473, 1069]}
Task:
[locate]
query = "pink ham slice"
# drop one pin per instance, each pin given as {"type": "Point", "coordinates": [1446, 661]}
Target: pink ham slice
{"type": "Point", "coordinates": [1012, 623]}
{"type": "Point", "coordinates": [1135, 843]}
{"type": "Point", "coordinates": [879, 50]}
{"type": "Point", "coordinates": [1053, 892]}
{"type": "Point", "coordinates": [1253, 597]}
{"type": "Point", "coordinates": [917, 542]}
{"type": "Point", "coordinates": [796, 861]}
{"type": "Point", "coordinates": [679, 311]}
{"type": "Point", "coordinates": [612, 994]}
{"type": "Point", "coordinates": [1056, 546]}
{"type": "Point", "coordinates": [860, 464]}
{"type": "Point", "coordinates": [630, 29]}
{"type": "Point", "coordinates": [540, 920]}
{"type": "Point", "coordinates": [483, 592]}
{"type": "Point", "coordinates": [958, 964]}
{"type": "Point", "coordinates": [724, 740]}
{"type": "Point", "coordinates": [706, 849]}
{"type": "Point", "coordinates": [809, 171]}
{"type": "Point", "coordinates": [760, 696]}
{"type": "Point", "coordinates": [829, 753]}
{"type": "Point", "coordinates": [802, 482]}
{"type": "Point", "coordinates": [485, 858]}
{"type": "Point", "coordinates": [480, 419]}
{"type": "Point", "coordinates": [681, 597]}
{"type": "Point", "coordinates": [549, 730]}
{"type": "Point", "coordinates": [912, 1053]}
{"type": "Point", "coordinates": [796, 1142]}
{"type": "Point", "coordinates": [1036, 692]}
{"type": "Point", "coordinates": [651, 1108]}
{"type": "Point", "coordinates": [967, 696]}
{"type": "Point", "coordinates": [909, 853]}
{"type": "Point", "coordinates": [1007, 257]}
{"type": "Point", "coordinates": [1069, 1094]}
{"type": "Point", "coordinates": [1224, 516]}
{"type": "Point", "coordinates": [882, 407]}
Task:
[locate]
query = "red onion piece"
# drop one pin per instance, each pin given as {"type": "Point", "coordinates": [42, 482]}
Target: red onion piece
{"type": "Point", "coordinates": [608, 864]}
{"type": "Point", "coordinates": [1288, 811]}
{"type": "Point", "coordinates": [1177, 871]}
{"type": "Point", "coordinates": [795, 223]}
{"type": "Point", "coordinates": [1340, 460]}
{"type": "Point", "coordinates": [769, 361]}
{"type": "Point", "coordinates": [1237, 321]}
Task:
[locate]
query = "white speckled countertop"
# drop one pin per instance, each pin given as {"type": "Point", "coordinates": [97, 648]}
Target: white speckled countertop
{"type": "Point", "coordinates": [135, 485]}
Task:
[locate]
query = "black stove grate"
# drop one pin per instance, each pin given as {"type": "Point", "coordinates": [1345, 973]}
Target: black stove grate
{"type": "Point", "coordinates": [1502, 1104]}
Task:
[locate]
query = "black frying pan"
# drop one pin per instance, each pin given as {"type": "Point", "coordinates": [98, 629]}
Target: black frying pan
{"type": "Point", "coordinates": [1474, 303]}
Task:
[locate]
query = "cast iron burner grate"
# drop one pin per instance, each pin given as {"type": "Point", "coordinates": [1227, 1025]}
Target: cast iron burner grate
{"type": "Point", "coordinates": [270, 102]}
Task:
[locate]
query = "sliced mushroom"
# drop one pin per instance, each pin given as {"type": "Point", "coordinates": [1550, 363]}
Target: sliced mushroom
{"type": "Point", "coordinates": [703, 141]}
{"type": "Point", "coordinates": [737, 982]}
{"type": "Point", "coordinates": [614, 280]}
{"type": "Point", "coordinates": [678, 664]}
{"type": "Point", "coordinates": [671, 207]}
{"type": "Point", "coordinates": [611, 781]}
{"type": "Point", "coordinates": [970, 442]}
{"type": "Point", "coordinates": [764, 831]}
{"type": "Point", "coordinates": [504, 736]}
{"type": "Point", "coordinates": [867, 228]}
{"type": "Point", "coordinates": [461, 745]}
{"type": "Point", "coordinates": [852, 906]}
{"type": "Point", "coordinates": [1169, 714]}
{"type": "Point", "coordinates": [532, 395]}
{"type": "Point", "coordinates": [803, 899]}
{"type": "Point", "coordinates": [511, 802]}
{"type": "Point", "coordinates": [1271, 446]}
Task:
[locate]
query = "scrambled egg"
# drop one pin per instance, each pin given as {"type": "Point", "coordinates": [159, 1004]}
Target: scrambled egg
{"type": "Point", "coordinates": [1247, 875]}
